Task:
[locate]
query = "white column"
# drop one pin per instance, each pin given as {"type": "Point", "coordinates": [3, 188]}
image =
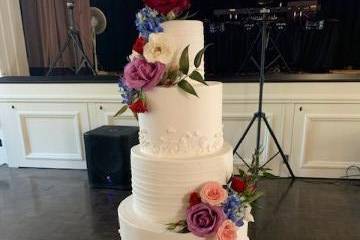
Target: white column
{"type": "Point", "coordinates": [13, 58]}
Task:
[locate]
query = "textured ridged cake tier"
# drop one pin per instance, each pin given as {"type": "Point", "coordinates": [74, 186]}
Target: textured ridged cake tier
{"type": "Point", "coordinates": [161, 186]}
{"type": "Point", "coordinates": [180, 124]}
{"type": "Point", "coordinates": [183, 33]}
{"type": "Point", "coordinates": [134, 227]}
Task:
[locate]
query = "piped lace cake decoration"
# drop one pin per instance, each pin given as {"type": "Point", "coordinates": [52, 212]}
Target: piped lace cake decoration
{"type": "Point", "coordinates": [192, 142]}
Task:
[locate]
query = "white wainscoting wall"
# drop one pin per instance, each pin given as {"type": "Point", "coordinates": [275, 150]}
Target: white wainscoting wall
{"type": "Point", "coordinates": [318, 124]}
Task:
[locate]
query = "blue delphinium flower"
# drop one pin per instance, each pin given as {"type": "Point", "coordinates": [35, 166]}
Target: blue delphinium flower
{"type": "Point", "coordinates": [148, 21]}
{"type": "Point", "coordinates": [127, 93]}
{"type": "Point", "coordinates": [232, 210]}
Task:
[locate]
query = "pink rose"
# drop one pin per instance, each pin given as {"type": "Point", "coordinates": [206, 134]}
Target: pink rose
{"type": "Point", "coordinates": [204, 220]}
{"type": "Point", "coordinates": [141, 74]}
{"type": "Point", "coordinates": [213, 193]}
{"type": "Point", "coordinates": [227, 231]}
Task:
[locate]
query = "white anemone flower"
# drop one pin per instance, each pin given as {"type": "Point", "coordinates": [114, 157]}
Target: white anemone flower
{"type": "Point", "coordinates": [247, 213]}
{"type": "Point", "coordinates": [159, 49]}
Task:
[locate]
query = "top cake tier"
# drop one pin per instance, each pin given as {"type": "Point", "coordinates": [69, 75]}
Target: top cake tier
{"type": "Point", "coordinates": [183, 33]}
{"type": "Point", "coordinates": [180, 124]}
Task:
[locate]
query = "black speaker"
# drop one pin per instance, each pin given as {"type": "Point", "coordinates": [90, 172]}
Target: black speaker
{"type": "Point", "coordinates": [108, 156]}
{"type": "Point", "coordinates": [115, 44]}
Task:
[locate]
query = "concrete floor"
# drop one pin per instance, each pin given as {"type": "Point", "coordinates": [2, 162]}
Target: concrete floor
{"type": "Point", "coordinates": [38, 204]}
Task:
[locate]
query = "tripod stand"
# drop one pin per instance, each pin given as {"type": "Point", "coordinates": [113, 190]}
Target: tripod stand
{"type": "Point", "coordinates": [279, 55]}
{"type": "Point", "coordinates": [73, 40]}
{"type": "Point", "coordinates": [260, 115]}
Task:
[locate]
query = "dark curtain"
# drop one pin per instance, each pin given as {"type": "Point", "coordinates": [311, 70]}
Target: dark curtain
{"type": "Point", "coordinates": [114, 45]}
{"type": "Point", "coordinates": [348, 13]}
{"type": "Point", "coordinates": [45, 29]}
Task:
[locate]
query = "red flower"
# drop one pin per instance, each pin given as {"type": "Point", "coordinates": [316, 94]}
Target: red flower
{"type": "Point", "coordinates": [139, 45]}
{"type": "Point", "coordinates": [166, 6]}
{"type": "Point", "coordinates": [238, 185]}
{"type": "Point", "coordinates": [194, 199]}
{"type": "Point", "coordinates": [138, 106]}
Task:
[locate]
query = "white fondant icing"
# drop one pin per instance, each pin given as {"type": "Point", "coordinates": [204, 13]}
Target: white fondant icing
{"type": "Point", "coordinates": [180, 124]}
{"type": "Point", "coordinates": [134, 227]}
{"type": "Point", "coordinates": [161, 186]}
{"type": "Point", "coordinates": [184, 33]}
{"type": "Point", "coordinates": [173, 144]}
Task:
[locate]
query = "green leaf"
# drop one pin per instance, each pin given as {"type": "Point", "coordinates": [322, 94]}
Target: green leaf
{"type": "Point", "coordinates": [268, 175]}
{"type": "Point", "coordinates": [142, 95]}
{"type": "Point", "coordinates": [255, 197]}
{"type": "Point", "coordinates": [195, 75]}
{"type": "Point", "coordinates": [184, 230]}
{"type": "Point", "coordinates": [241, 172]}
{"type": "Point", "coordinates": [265, 169]}
{"type": "Point", "coordinates": [184, 61]}
{"type": "Point", "coordinates": [187, 16]}
{"type": "Point", "coordinates": [186, 86]}
{"type": "Point", "coordinates": [179, 227]}
{"type": "Point", "coordinates": [199, 56]}
{"type": "Point", "coordinates": [184, 17]}
{"type": "Point", "coordinates": [121, 111]}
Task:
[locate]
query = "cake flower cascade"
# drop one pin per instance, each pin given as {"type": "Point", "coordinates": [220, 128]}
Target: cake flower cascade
{"type": "Point", "coordinates": [216, 211]}
{"type": "Point", "coordinates": [153, 61]}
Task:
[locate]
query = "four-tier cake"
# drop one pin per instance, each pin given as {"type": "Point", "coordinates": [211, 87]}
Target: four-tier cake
{"type": "Point", "coordinates": [181, 148]}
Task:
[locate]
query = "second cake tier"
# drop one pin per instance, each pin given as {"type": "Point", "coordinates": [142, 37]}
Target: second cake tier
{"type": "Point", "coordinates": [180, 124]}
{"type": "Point", "coordinates": [161, 186]}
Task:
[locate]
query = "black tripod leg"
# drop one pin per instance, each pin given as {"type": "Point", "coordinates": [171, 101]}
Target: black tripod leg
{"type": "Point", "coordinates": [249, 53]}
{"type": "Point", "coordinates": [278, 146]}
{"type": "Point", "coordinates": [57, 58]}
{"type": "Point", "coordinates": [84, 58]}
{"type": "Point", "coordinates": [245, 133]}
{"type": "Point", "coordinates": [280, 55]}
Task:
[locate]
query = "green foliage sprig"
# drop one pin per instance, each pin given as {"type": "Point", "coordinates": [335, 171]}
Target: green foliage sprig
{"type": "Point", "coordinates": [184, 66]}
{"type": "Point", "coordinates": [179, 227]}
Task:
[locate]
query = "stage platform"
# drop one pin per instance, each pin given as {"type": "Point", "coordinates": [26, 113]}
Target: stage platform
{"type": "Point", "coordinates": [335, 76]}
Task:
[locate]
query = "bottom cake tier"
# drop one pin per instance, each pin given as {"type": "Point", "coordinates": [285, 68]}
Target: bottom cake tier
{"type": "Point", "coordinates": [133, 227]}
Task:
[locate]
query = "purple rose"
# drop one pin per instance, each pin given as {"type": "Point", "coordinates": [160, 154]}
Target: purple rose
{"type": "Point", "coordinates": [204, 220]}
{"type": "Point", "coordinates": [141, 74]}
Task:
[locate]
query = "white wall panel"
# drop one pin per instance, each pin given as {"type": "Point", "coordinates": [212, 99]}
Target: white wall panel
{"type": "Point", "coordinates": [45, 134]}
{"type": "Point", "coordinates": [62, 142]}
{"type": "Point", "coordinates": [326, 139]}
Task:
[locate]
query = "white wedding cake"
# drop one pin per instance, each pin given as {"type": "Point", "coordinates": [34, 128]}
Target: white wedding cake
{"type": "Point", "coordinates": [181, 147]}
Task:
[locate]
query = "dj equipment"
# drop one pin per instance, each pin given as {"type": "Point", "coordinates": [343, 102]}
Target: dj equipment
{"type": "Point", "coordinates": [108, 155]}
{"type": "Point", "coordinates": [254, 17]}
{"type": "Point", "coordinates": [74, 41]}
{"type": "Point", "coordinates": [294, 10]}
{"type": "Point", "coordinates": [278, 19]}
{"type": "Point", "coordinates": [303, 9]}
{"type": "Point", "coordinates": [265, 17]}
